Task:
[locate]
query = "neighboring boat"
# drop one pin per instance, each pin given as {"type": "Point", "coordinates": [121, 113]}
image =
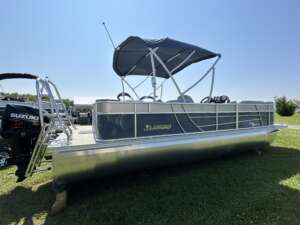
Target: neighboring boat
{"type": "Point", "coordinates": [26, 127]}
{"type": "Point", "coordinates": [130, 132]}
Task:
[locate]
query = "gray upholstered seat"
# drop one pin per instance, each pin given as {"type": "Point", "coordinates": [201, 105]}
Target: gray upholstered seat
{"type": "Point", "coordinates": [187, 98]}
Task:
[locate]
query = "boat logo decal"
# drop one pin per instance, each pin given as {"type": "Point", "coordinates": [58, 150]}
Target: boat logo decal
{"type": "Point", "coordinates": [24, 116]}
{"type": "Point", "coordinates": [156, 127]}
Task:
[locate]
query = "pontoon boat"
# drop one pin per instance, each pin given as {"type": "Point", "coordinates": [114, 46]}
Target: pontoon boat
{"type": "Point", "coordinates": [130, 132]}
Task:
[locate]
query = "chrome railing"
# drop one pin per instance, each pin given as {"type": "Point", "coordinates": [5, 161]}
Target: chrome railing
{"type": "Point", "coordinates": [56, 121]}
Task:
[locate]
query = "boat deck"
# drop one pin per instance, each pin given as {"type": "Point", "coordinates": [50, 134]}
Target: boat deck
{"type": "Point", "coordinates": [81, 136]}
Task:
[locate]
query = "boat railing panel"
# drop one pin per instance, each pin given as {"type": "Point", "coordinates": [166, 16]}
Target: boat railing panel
{"type": "Point", "coordinates": [111, 107]}
{"type": "Point", "coordinates": [163, 118]}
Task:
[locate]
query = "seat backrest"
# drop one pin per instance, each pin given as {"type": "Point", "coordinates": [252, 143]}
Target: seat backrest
{"type": "Point", "coordinates": [187, 98]}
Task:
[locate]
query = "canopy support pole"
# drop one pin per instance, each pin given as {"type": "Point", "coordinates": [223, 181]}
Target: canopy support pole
{"type": "Point", "coordinates": [174, 69]}
{"type": "Point", "coordinates": [169, 73]}
{"type": "Point", "coordinates": [161, 91]}
{"type": "Point", "coordinates": [123, 90]}
{"type": "Point", "coordinates": [139, 84]}
{"type": "Point", "coordinates": [153, 79]}
{"type": "Point", "coordinates": [212, 82]}
{"type": "Point", "coordinates": [207, 72]}
{"type": "Point", "coordinates": [126, 82]}
{"type": "Point", "coordinates": [183, 61]}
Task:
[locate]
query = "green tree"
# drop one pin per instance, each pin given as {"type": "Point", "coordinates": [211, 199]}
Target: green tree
{"type": "Point", "coordinates": [68, 103]}
{"type": "Point", "coordinates": [285, 107]}
{"type": "Point", "coordinates": [33, 98]}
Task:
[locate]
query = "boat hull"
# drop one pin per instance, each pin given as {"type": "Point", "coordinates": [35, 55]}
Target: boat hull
{"type": "Point", "coordinates": [105, 159]}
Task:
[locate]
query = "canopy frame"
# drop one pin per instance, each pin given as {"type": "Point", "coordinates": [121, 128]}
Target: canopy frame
{"type": "Point", "coordinates": [161, 58]}
{"type": "Point", "coordinates": [153, 55]}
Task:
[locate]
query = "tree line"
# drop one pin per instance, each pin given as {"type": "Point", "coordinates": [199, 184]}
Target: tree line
{"type": "Point", "coordinates": [33, 98]}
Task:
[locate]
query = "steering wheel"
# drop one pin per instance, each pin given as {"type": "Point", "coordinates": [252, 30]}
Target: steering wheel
{"type": "Point", "coordinates": [216, 99]}
{"type": "Point", "coordinates": [145, 97]}
{"type": "Point", "coordinates": [125, 94]}
{"type": "Point", "coordinates": [207, 99]}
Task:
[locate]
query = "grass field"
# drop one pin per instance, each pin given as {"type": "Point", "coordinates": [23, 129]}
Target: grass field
{"type": "Point", "coordinates": [291, 120]}
{"type": "Point", "coordinates": [242, 189]}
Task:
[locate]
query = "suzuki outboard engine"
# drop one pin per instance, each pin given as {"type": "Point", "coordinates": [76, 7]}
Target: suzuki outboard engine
{"type": "Point", "coordinates": [20, 128]}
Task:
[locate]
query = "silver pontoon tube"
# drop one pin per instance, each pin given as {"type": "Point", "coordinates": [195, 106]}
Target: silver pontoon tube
{"type": "Point", "coordinates": [76, 163]}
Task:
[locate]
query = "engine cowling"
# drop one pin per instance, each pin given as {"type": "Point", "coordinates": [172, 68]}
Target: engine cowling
{"type": "Point", "coordinates": [20, 129]}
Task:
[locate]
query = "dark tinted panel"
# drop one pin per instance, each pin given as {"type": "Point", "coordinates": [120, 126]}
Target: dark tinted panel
{"type": "Point", "coordinates": [226, 121]}
{"type": "Point", "coordinates": [116, 126]}
{"type": "Point", "coordinates": [122, 125]}
{"type": "Point", "coordinates": [188, 123]}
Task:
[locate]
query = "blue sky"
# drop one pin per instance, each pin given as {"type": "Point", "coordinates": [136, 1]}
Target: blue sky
{"type": "Point", "coordinates": [64, 40]}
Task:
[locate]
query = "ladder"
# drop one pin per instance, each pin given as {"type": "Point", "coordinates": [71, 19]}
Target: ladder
{"type": "Point", "coordinates": [53, 121]}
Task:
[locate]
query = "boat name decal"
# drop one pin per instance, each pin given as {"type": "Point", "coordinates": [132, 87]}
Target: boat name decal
{"type": "Point", "coordinates": [156, 127]}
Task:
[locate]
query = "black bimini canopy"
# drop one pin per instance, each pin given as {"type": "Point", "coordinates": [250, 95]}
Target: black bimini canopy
{"type": "Point", "coordinates": [132, 57]}
{"type": "Point", "coordinates": [4, 76]}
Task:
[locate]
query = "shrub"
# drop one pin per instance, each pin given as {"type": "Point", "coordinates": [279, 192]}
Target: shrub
{"type": "Point", "coordinates": [285, 107]}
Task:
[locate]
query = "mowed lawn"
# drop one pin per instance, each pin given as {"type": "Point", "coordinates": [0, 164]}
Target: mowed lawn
{"type": "Point", "coordinates": [245, 188]}
{"type": "Point", "coordinates": [290, 120]}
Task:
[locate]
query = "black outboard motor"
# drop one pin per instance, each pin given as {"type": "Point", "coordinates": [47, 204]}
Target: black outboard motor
{"type": "Point", "coordinates": [20, 128]}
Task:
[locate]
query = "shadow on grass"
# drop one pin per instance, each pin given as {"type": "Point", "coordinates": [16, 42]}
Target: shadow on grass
{"type": "Point", "coordinates": [22, 203]}
{"type": "Point", "coordinates": [238, 189]}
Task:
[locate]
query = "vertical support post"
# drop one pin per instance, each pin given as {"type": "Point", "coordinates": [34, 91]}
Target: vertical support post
{"type": "Point", "coordinates": [161, 91]}
{"type": "Point", "coordinates": [169, 73]}
{"type": "Point", "coordinates": [123, 90]}
{"type": "Point", "coordinates": [237, 116]}
{"type": "Point", "coordinates": [217, 117]}
{"type": "Point", "coordinates": [40, 104]}
{"type": "Point", "coordinates": [96, 120]}
{"type": "Point", "coordinates": [269, 120]}
{"type": "Point", "coordinates": [153, 79]}
{"type": "Point", "coordinates": [212, 82]}
{"type": "Point", "coordinates": [135, 121]}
